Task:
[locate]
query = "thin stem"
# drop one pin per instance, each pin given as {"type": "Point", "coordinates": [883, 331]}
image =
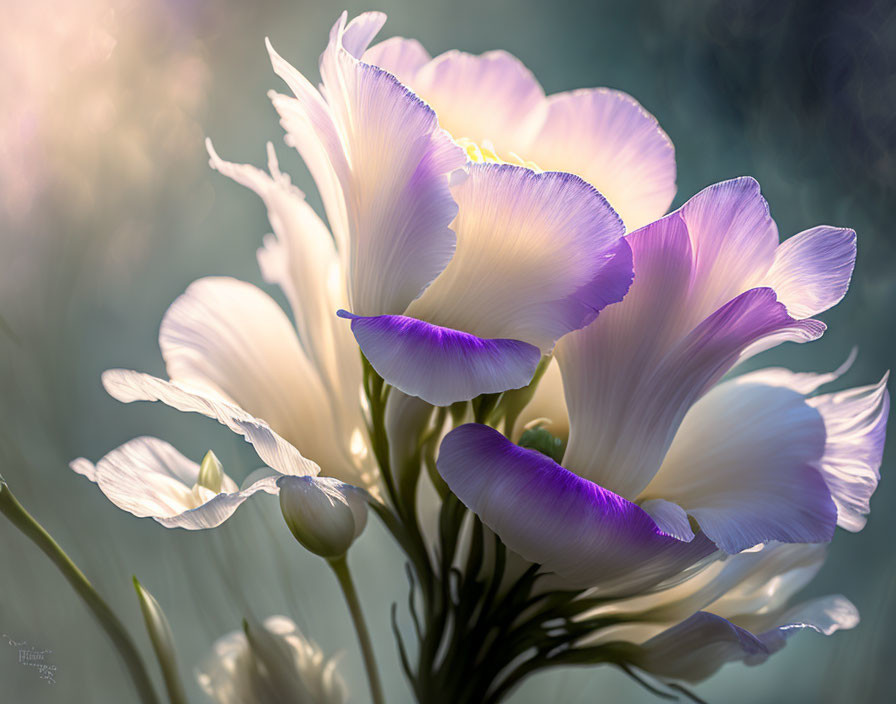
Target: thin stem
{"type": "Point", "coordinates": [25, 522]}
{"type": "Point", "coordinates": [340, 569]}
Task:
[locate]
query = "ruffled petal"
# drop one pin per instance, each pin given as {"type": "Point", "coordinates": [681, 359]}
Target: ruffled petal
{"type": "Point", "coordinates": [399, 56]}
{"type": "Point", "coordinates": [856, 425]}
{"type": "Point", "coordinates": [811, 270]}
{"type": "Point", "coordinates": [695, 649]}
{"type": "Point", "coordinates": [438, 364]}
{"type": "Point", "coordinates": [607, 138]}
{"type": "Point", "coordinates": [301, 258]}
{"type": "Point", "coordinates": [582, 532]}
{"type": "Point", "coordinates": [760, 580]}
{"type": "Point", "coordinates": [698, 647]}
{"type": "Point", "coordinates": [128, 386]}
{"type": "Point", "coordinates": [388, 167]}
{"type": "Point", "coordinates": [538, 255]}
{"type": "Point", "coordinates": [743, 464]}
{"type": "Point", "coordinates": [490, 98]}
{"type": "Point", "coordinates": [147, 477]}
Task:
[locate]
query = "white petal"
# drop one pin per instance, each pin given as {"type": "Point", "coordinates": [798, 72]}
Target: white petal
{"type": "Point", "coordinates": [743, 464]}
{"type": "Point", "coordinates": [233, 339]}
{"type": "Point", "coordinates": [128, 386]}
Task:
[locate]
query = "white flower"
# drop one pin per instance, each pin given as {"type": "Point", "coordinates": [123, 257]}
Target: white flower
{"type": "Point", "coordinates": [270, 664]}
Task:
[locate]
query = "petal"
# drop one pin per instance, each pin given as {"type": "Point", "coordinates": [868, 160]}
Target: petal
{"type": "Point", "coordinates": [399, 56]}
{"type": "Point", "coordinates": [491, 97]}
{"type": "Point", "coordinates": [755, 580]}
{"type": "Point", "coordinates": [669, 517]}
{"type": "Point", "coordinates": [607, 138]}
{"type": "Point", "coordinates": [629, 381]}
{"type": "Point", "coordinates": [811, 270]}
{"type": "Point", "coordinates": [147, 477]}
{"type": "Point", "coordinates": [743, 464]}
{"type": "Point", "coordinates": [128, 386]}
{"type": "Point", "coordinates": [438, 364]}
{"type": "Point", "coordinates": [733, 239]}
{"type": "Point", "coordinates": [391, 163]}
{"type": "Point", "coordinates": [856, 425]}
{"type": "Point", "coordinates": [538, 255]}
{"type": "Point", "coordinates": [584, 533]}
{"type": "Point", "coordinates": [695, 649]}
{"type": "Point", "coordinates": [302, 259]}
{"type": "Point", "coordinates": [214, 512]}
{"type": "Point", "coordinates": [231, 338]}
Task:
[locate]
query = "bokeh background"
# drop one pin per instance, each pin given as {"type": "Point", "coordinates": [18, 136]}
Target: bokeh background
{"type": "Point", "coordinates": [108, 210]}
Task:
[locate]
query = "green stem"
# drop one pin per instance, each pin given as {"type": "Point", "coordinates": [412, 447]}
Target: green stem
{"type": "Point", "coordinates": [25, 522]}
{"type": "Point", "coordinates": [340, 569]}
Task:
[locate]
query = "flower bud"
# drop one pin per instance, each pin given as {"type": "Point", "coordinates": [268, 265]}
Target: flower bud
{"type": "Point", "coordinates": [324, 514]}
{"type": "Point", "coordinates": [211, 473]}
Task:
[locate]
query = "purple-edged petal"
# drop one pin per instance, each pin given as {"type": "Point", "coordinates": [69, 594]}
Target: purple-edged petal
{"type": "Point", "coordinates": [538, 255]}
{"type": "Point", "coordinates": [381, 163]}
{"type": "Point", "coordinates": [582, 532]}
{"type": "Point", "coordinates": [492, 97]}
{"type": "Point", "coordinates": [743, 464]}
{"type": "Point", "coordinates": [625, 404]}
{"type": "Point", "coordinates": [607, 138]}
{"type": "Point", "coordinates": [399, 56]}
{"type": "Point", "coordinates": [690, 315]}
{"type": "Point", "coordinates": [438, 364]}
{"type": "Point", "coordinates": [733, 238]}
{"type": "Point", "coordinates": [811, 270]}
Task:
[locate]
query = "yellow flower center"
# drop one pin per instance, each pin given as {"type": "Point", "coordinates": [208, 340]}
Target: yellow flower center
{"type": "Point", "coordinates": [485, 153]}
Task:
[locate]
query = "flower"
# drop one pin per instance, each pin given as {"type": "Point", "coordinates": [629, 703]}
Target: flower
{"type": "Point", "coordinates": [268, 664]}
{"type": "Point", "coordinates": [149, 478]}
{"type": "Point", "coordinates": [653, 448]}
{"type": "Point", "coordinates": [458, 285]}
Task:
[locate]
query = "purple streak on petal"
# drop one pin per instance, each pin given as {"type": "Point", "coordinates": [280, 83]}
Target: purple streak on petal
{"type": "Point", "coordinates": [587, 535]}
{"type": "Point", "coordinates": [441, 365]}
{"type": "Point", "coordinates": [697, 647]}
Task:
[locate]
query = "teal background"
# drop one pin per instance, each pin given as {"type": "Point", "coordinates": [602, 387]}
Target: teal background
{"type": "Point", "coordinates": [121, 213]}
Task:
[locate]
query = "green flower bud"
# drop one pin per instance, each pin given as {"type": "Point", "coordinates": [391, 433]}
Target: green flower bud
{"type": "Point", "coordinates": [324, 514]}
{"type": "Point", "coordinates": [211, 473]}
{"type": "Point", "coordinates": [541, 440]}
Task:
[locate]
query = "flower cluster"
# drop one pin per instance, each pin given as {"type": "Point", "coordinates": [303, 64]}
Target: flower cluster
{"type": "Point", "coordinates": [542, 412]}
